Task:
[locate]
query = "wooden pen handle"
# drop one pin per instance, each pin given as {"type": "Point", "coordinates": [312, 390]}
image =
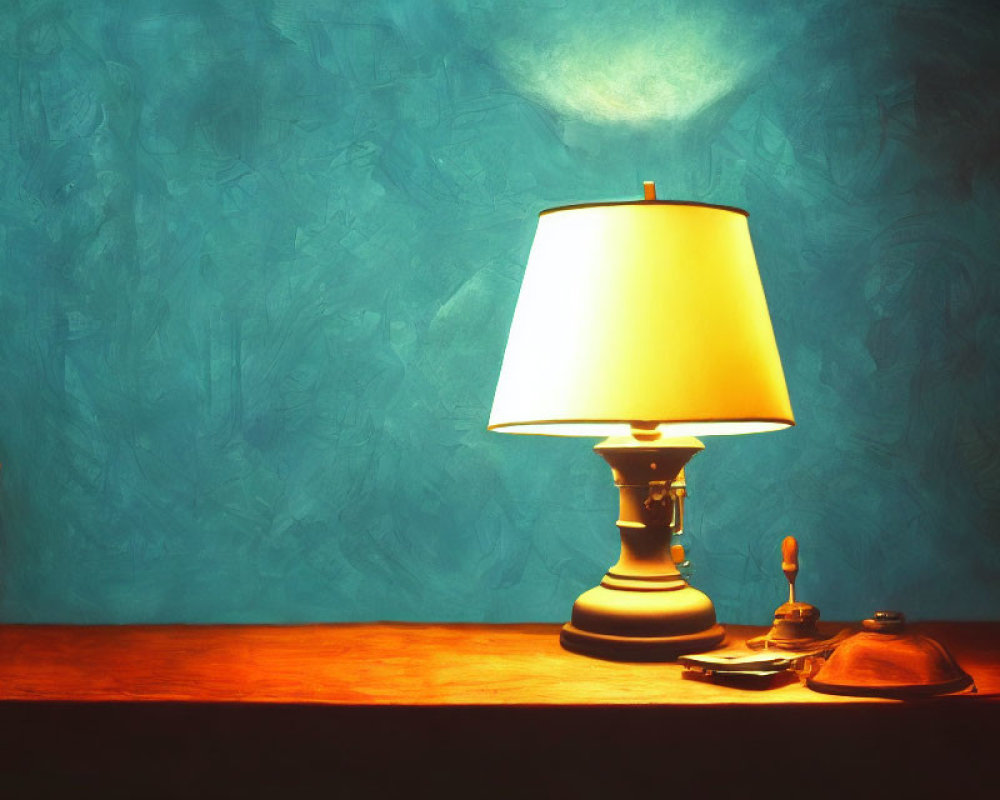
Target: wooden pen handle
{"type": "Point", "coordinates": [790, 563]}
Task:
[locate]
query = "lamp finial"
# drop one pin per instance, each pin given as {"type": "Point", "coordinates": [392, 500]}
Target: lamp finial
{"type": "Point", "coordinates": [649, 190]}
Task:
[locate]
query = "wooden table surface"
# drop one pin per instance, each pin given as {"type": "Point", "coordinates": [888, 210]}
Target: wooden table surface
{"type": "Point", "coordinates": [423, 710]}
{"type": "Point", "coordinates": [402, 664]}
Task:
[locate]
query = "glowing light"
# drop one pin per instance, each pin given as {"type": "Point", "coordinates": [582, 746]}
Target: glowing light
{"type": "Point", "coordinates": [632, 83]}
{"type": "Point", "coordinates": [638, 63]}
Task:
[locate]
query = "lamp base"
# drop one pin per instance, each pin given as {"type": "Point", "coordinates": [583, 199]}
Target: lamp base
{"type": "Point", "coordinates": [625, 647]}
{"type": "Point", "coordinates": [644, 610]}
{"type": "Point", "coordinates": [635, 648]}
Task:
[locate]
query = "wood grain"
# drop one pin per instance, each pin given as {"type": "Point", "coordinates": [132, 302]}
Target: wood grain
{"type": "Point", "coordinates": [389, 664]}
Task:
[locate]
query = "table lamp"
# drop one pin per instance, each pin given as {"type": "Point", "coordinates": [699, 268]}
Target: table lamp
{"type": "Point", "coordinates": [644, 322]}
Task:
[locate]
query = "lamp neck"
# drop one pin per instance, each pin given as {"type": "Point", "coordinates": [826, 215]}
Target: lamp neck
{"type": "Point", "coordinates": [639, 462]}
{"type": "Point", "coordinates": [649, 513]}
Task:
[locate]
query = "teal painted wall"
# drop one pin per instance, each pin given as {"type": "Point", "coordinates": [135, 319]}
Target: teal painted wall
{"type": "Point", "coordinates": [259, 260]}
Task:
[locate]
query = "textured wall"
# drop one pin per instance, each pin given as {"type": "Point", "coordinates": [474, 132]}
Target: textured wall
{"type": "Point", "coordinates": [259, 260]}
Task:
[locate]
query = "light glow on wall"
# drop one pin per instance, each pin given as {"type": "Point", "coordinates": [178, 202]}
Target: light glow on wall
{"type": "Point", "coordinates": [647, 63]}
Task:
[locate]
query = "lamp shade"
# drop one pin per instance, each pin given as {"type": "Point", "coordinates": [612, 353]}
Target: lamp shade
{"type": "Point", "coordinates": [643, 314]}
